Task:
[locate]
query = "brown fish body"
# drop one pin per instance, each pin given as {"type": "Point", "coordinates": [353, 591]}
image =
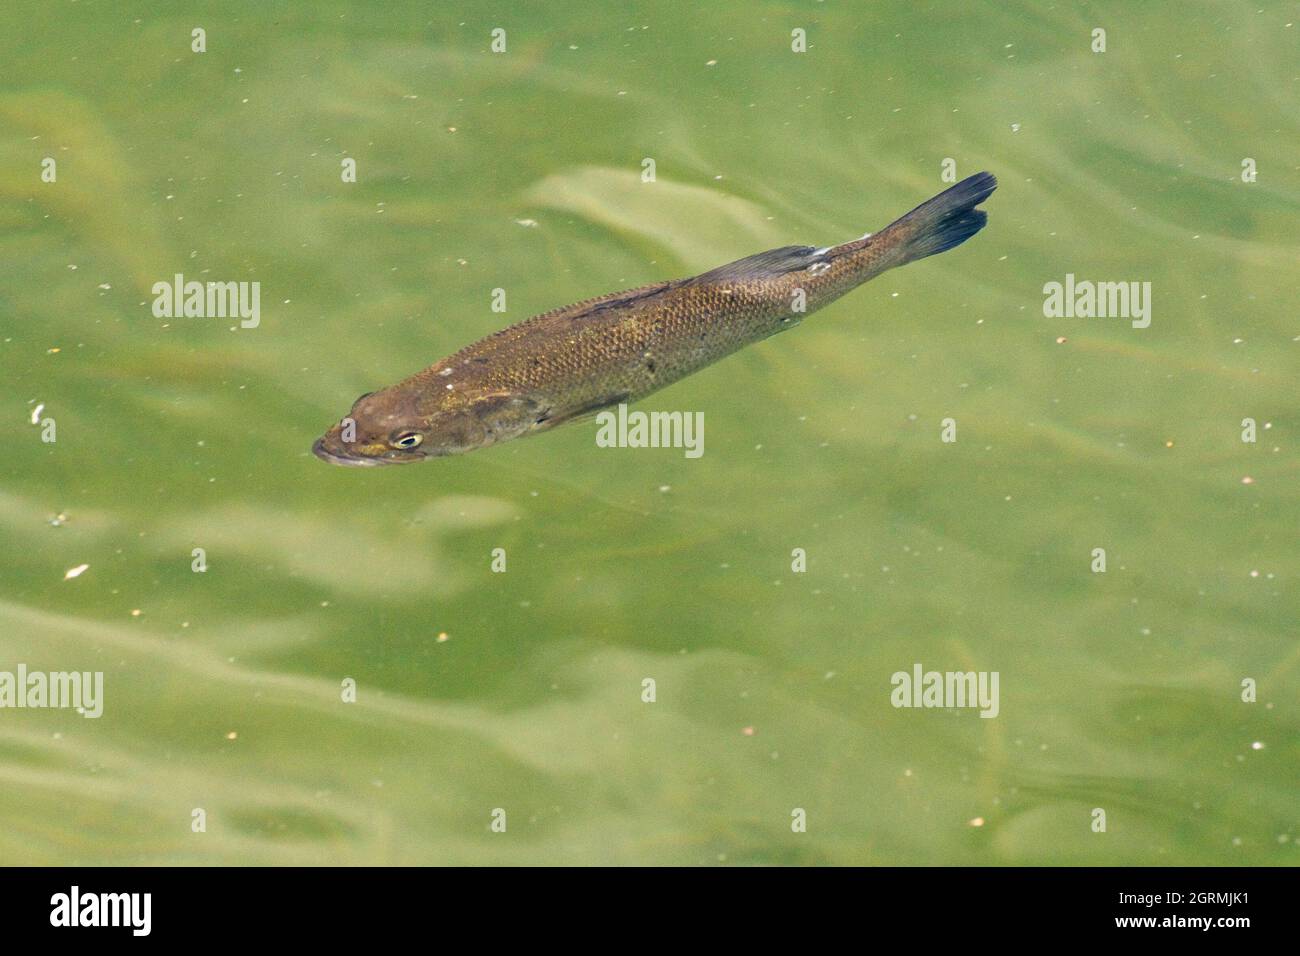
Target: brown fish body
{"type": "Point", "coordinates": [573, 361]}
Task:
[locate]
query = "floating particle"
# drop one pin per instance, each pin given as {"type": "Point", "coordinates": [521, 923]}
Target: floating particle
{"type": "Point", "coordinates": [53, 351]}
{"type": "Point", "coordinates": [1169, 444]}
{"type": "Point", "coordinates": [1257, 745]}
{"type": "Point", "coordinates": [1247, 480]}
{"type": "Point", "coordinates": [977, 822]}
{"type": "Point", "coordinates": [1061, 340]}
{"type": "Point", "coordinates": [747, 731]}
{"type": "Point", "coordinates": [232, 735]}
{"type": "Point", "coordinates": [135, 612]}
{"type": "Point", "coordinates": [711, 63]}
{"type": "Point", "coordinates": [526, 223]}
{"type": "Point", "coordinates": [443, 637]}
{"type": "Point", "coordinates": [74, 572]}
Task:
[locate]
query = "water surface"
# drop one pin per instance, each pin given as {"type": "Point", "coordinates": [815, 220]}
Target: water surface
{"type": "Point", "coordinates": [522, 171]}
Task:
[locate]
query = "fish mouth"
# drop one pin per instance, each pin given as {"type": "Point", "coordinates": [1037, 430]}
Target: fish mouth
{"type": "Point", "coordinates": [320, 451]}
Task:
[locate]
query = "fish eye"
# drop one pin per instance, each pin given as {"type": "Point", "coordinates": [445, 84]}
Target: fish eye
{"type": "Point", "coordinates": [406, 439]}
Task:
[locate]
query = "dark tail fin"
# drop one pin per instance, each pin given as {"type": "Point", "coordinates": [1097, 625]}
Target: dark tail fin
{"type": "Point", "coordinates": [947, 220]}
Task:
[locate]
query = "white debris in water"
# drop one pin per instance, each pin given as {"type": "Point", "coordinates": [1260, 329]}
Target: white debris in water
{"type": "Point", "coordinates": [75, 572]}
{"type": "Point", "coordinates": [528, 223]}
{"type": "Point", "coordinates": [36, 413]}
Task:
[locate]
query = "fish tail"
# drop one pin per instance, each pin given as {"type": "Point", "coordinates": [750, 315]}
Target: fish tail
{"type": "Point", "coordinates": [941, 223]}
{"type": "Point", "coordinates": [938, 224]}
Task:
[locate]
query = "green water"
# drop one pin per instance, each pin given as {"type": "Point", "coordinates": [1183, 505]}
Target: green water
{"type": "Point", "coordinates": [1119, 691]}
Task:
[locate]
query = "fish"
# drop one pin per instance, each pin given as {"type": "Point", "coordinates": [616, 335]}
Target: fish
{"type": "Point", "coordinates": [568, 364]}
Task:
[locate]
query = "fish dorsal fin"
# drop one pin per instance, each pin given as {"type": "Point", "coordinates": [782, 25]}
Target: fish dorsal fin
{"type": "Point", "coordinates": [588, 308]}
{"type": "Point", "coordinates": [774, 262]}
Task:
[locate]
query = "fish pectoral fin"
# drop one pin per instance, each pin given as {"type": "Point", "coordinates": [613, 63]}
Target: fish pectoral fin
{"type": "Point", "coordinates": [774, 262]}
{"type": "Point", "coordinates": [499, 401]}
{"type": "Point", "coordinates": [553, 416]}
{"type": "Point", "coordinates": [506, 412]}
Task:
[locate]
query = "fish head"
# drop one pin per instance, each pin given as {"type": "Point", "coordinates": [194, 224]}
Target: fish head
{"type": "Point", "coordinates": [395, 426]}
